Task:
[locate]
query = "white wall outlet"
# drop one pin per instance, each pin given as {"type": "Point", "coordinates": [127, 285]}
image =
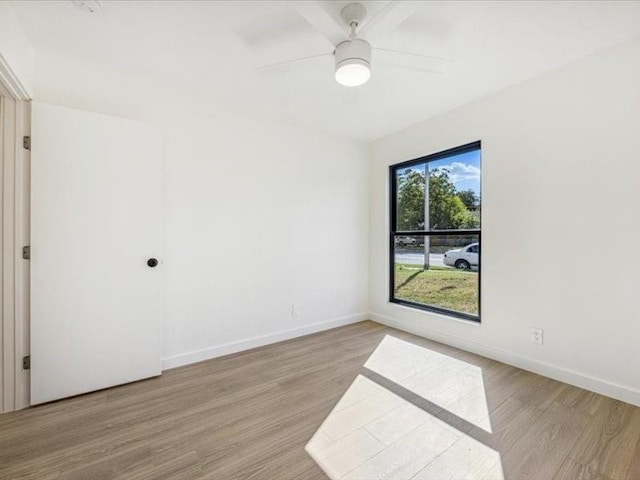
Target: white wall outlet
{"type": "Point", "coordinates": [536, 335]}
{"type": "Point", "coordinates": [295, 310]}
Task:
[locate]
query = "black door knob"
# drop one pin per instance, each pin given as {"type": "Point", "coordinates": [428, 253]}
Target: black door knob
{"type": "Point", "coordinates": [152, 262]}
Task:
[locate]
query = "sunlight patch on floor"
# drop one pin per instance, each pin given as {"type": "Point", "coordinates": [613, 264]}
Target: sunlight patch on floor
{"type": "Point", "coordinates": [447, 382]}
{"type": "Point", "coordinates": [388, 427]}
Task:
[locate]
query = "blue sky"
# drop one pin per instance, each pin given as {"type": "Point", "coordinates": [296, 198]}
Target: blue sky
{"type": "Point", "coordinates": [464, 170]}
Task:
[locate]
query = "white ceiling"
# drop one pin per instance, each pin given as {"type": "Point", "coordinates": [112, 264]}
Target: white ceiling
{"type": "Point", "coordinates": [213, 48]}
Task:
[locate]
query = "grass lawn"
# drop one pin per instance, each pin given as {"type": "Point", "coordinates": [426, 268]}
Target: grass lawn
{"type": "Point", "coordinates": [439, 287]}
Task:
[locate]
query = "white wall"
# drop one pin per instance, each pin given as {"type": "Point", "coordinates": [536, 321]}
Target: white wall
{"type": "Point", "coordinates": [260, 215]}
{"type": "Point", "coordinates": [15, 48]}
{"type": "Point", "coordinates": [560, 222]}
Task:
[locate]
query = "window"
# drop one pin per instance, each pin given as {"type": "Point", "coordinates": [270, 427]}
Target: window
{"type": "Point", "coordinates": [435, 232]}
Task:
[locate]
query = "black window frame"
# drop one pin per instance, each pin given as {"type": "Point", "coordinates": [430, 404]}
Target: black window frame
{"type": "Point", "coordinates": [393, 233]}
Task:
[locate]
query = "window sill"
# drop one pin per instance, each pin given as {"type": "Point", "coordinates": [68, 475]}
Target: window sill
{"type": "Point", "coordinates": [442, 313]}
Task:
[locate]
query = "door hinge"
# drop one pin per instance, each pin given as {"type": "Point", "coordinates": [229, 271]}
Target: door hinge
{"type": "Point", "coordinates": [26, 362]}
{"type": "Point", "coordinates": [26, 252]}
{"type": "Point", "coordinates": [26, 142]}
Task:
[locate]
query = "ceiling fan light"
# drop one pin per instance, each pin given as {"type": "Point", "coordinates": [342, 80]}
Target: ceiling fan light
{"type": "Point", "coordinates": [353, 62]}
{"type": "Point", "coordinates": [353, 73]}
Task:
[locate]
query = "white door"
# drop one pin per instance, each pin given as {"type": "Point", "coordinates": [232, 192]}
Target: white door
{"type": "Point", "coordinates": [96, 220]}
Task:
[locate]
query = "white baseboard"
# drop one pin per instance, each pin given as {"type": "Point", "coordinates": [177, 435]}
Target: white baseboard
{"type": "Point", "coordinates": [598, 385]}
{"type": "Point", "coordinates": [249, 343]}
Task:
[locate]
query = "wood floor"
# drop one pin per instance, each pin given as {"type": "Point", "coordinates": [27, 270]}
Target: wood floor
{"type": "Point", "coordinates": [250, 415]}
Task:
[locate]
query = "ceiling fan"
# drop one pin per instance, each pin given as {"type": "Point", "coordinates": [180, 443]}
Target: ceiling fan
{"type": "Point", "coordinates": [352, 52]}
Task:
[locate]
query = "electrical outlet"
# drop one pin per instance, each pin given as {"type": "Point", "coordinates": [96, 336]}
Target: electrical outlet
{"type": "Point", "coordinates": [295, 310]}
{"type": "Point", "coordinates": [536, 335]}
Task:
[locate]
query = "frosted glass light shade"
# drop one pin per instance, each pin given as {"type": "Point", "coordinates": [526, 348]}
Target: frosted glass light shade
{"type": "Point", "coordinates": [353, 73]}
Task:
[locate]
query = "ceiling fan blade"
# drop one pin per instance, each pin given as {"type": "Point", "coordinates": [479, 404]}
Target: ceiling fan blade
{"type": "Point", "coordinates": [324, 23]}
{"type": "Point", "coordinates": [389, 17]}
{"type": "Point", "coordinates": [294, 60]}
{"type": "Point", "coordinates": [419, 55]}
{"type": "Point", "coordinates": [410, 60]}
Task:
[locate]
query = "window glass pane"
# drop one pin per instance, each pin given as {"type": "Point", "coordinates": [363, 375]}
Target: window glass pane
{"type": "Point", "coordinates": [454, 192]}
{"type": "Point", "coordinates": [447, 280]}
{"type": "Point", "coordinates": [410, 207]}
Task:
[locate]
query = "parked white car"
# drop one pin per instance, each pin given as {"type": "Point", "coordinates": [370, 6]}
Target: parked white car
{"type": "Point", "coordinates": [406, 241]}
{"type": "Point", "coordinates": [463, 258]}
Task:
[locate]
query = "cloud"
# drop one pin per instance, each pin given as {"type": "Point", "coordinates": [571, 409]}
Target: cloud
{"type": "Point", "coordinates": [459, 171]}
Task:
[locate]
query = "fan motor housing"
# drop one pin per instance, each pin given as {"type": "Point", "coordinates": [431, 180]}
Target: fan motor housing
{"type": "Point", "coordinates": [355, 50]}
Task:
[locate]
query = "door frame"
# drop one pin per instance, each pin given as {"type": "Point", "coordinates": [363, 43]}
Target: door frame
{"type": "Point", "coordinates": [15, 112]}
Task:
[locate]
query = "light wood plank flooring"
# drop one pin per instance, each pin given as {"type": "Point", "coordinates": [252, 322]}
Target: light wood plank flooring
{"type": "Point", "coordinates": [250, 416]}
